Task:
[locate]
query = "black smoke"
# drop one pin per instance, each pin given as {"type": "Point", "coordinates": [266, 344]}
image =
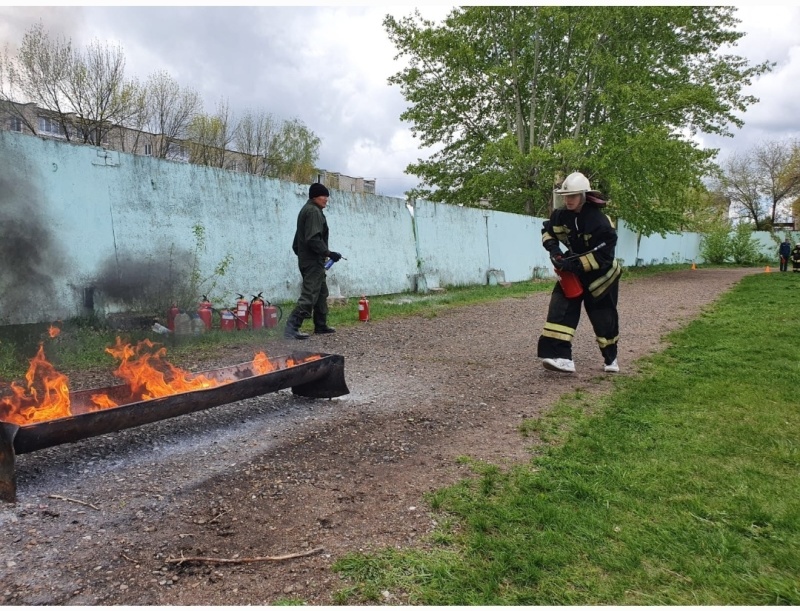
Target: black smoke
{"type": "Point", "coordinates": [30, 252]}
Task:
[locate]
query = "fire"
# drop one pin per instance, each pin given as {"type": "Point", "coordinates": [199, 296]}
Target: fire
{"type": "Point", "coordinates": [45, 398]}
{"type": "Point", "coordinates": [46, 395]}
{"type": "Point", "coordinates": [149, 376]}
{"type": "Point", "coordinates": [53, 331]}
{"type": "Point", "coordinates": [262, 364]}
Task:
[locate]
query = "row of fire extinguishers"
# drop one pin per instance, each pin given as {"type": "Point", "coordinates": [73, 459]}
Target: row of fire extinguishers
{"type": "Point", "coordinates": [254, 314]}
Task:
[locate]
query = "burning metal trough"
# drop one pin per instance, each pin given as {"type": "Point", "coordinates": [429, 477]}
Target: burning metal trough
{"type": "Point", "coordinates": [114, 408]}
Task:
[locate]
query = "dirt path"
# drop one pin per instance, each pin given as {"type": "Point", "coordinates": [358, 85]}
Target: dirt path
{"type": "Point", "coordinates": [280, 474]}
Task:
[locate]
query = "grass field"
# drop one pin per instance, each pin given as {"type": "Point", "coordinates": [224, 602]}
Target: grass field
{"type": "Point", "coordinates": [681, 488]}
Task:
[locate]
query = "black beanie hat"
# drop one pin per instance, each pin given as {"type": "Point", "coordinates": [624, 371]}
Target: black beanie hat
{"type": "Point", "coordinates": [316, 190]}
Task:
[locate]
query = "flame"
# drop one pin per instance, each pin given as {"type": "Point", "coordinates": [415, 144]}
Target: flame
{"type": "Point", "coordinates": [262, 364]}
{"type": "Point", "coordinates": [53, 331]}
{"type": "Point", "coordinates": [46, 394]}
{"type": "Point", "coordinates": [26, 406]}
{"type": "Point", "coordinates": [103, 401]}
{"type": "Point", "coordinates": [149, 376]}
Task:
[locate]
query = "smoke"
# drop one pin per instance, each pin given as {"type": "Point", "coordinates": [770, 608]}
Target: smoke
{"type": "Point", "coordinates": [30, 255]}
{"type": "Point", "coordinates": [148, 283]}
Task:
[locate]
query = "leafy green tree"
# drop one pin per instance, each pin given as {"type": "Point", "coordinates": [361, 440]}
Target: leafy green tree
{"type": "Point", "coordinates": [516, 97]}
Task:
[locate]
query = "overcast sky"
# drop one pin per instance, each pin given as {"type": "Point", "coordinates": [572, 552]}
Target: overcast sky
{"type": "Point", "coordinates": [328, 67]}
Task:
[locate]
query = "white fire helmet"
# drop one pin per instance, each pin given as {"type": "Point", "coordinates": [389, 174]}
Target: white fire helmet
{"type": "Point", "coordinates": [574, 183]}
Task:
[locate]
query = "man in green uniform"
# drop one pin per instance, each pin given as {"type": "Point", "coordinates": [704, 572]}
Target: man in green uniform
{"type": "Point", "coordinates": [311, 247]}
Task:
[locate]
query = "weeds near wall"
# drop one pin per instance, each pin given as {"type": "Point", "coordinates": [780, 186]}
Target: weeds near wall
{"type": "Point", "coordinates": [188, 293]}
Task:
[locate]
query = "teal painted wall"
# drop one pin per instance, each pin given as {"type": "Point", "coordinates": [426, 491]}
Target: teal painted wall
{"type": "Point", "coordinates": [74, 217]}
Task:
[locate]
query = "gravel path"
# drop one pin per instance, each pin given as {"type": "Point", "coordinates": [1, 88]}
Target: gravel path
{"type": "Point", "coordinates": [280, 474]}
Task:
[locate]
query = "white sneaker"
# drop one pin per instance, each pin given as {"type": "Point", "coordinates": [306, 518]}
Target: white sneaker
{"type": "Point", "coordinates": [565, 365]}
{"type": "Point", "coordinates": [612, 368]}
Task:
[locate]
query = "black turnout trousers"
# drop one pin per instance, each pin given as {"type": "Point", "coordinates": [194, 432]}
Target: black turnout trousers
{"type": "Point", "coordinates": [564, 314]}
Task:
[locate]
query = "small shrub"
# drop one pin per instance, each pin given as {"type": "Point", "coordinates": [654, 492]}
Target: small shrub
{"type": "Point", "coordinates": [715, 244]}
{"type": "Point", "coordinates": [743, 248]}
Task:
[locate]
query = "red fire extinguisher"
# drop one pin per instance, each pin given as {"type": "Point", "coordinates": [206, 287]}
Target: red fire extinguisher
{"type": "Point", "coordinates": [242, 313]}
{"type": "Point", "coordinates": [257, 311]}
{"type": "Point", "coordinates": [204, 312]}
{"type": "Point", "coordinates": [272, 315]}
{"type": "Point", "coordinates": [172, 313]}
{"type": "Point", "coordinates": [363, 309]}
{"type": "Point", "coordinates": [570, 284]}
{"type": "Point", "coordinates": [227, 321]}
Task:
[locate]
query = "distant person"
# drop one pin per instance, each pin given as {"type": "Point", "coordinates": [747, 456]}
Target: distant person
{"type": "Point", "coordinates": [578, 222]}
{"type": "Point", "coordinates": [795, 256]}
{"type": "Point", "coordinates": [784, 251]}
{"type": "Point", "coordinates": [311, 247]}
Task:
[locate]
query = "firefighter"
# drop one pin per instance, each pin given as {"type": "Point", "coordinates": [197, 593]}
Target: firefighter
{"type": "Point", "coordinates": [311, 247]}
{"type": "Point", "coordinates": [795, 256]}
{"type": "Point", "coordinates": [579, 223]}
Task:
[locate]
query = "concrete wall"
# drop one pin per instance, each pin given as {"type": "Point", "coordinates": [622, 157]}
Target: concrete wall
{"type": "Point", "coordinates": [82, 226]}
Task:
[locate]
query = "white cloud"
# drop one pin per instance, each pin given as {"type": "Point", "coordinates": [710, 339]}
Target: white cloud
{"type": "Point", "coordinates": [328, 67]}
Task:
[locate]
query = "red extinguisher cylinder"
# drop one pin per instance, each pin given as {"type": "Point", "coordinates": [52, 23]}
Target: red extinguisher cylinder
{"type": "Point", "coordinates": [242, 313]}
{"type": "Point", "coordinates": [570, 284]}
{"type": "Point", "coordinates": [257, 312]}
{"type": "Point", "coordinates": [270, 316]}
{"type": "Point", "coordinates": [227, 320]}
{"type": "Point", "coordinates": [363, 309]}
{"type": "Point", "coordinates": [204, 311]}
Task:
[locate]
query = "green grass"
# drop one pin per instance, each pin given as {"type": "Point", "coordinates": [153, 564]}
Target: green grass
{"type": "Point", "coordinates": [679, 488]}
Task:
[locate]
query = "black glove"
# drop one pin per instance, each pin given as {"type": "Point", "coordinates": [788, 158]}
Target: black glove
{"type": "Point", "coordinates": [567, 265]}
{"type": "Point", "coordinates": [555, 250]}
{"type": "Point", "coordinates": [334, 256]}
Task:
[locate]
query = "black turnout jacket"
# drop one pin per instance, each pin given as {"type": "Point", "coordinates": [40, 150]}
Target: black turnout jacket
{"type": "Point", "coordinates": [580, 233]}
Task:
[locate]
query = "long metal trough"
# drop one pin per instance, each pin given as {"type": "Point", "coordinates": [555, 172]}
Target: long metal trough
{"type": "Point", "coordinates": [319, 378]}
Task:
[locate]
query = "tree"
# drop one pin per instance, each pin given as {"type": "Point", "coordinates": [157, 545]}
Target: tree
{"type": "Point", "coordinates": [256, 138]}
{"type": "Point", "coordinates": [85, 89]}
{"type": "Point", "coordinates": [98, 93]}
{"type": "Point", "coordinates": [762, 183]}
{"type": "Point", "coordinates": [280, 149]}
{"type": "Point", "coordinates": [297, 152]}
{"type": "Point", "coordinates": [210, 136]}
{"type": "Point", "coordinates": [170, 110]}
{"type": "Point", "coordinates": [38, 74]}
{"type": "Point", "coordinates": [517, 96]}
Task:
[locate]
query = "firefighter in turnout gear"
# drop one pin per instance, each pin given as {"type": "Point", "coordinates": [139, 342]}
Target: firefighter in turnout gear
{"type": "Point", "coordinates": [795, 256]}
{"type": "Point", "coordinates": [580, 225]}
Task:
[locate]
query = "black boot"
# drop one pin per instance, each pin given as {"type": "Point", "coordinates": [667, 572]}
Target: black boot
{"type": "Point", "coordinates": [292, 330]}
{"type": "Point", "coordinates": [321, 324]}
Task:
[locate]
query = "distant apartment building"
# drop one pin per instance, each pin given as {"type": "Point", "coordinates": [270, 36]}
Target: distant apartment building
{"type": "Point", "coordinates": [335, 180]}
{"type": "Point", "coordinates": [32, 120]}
